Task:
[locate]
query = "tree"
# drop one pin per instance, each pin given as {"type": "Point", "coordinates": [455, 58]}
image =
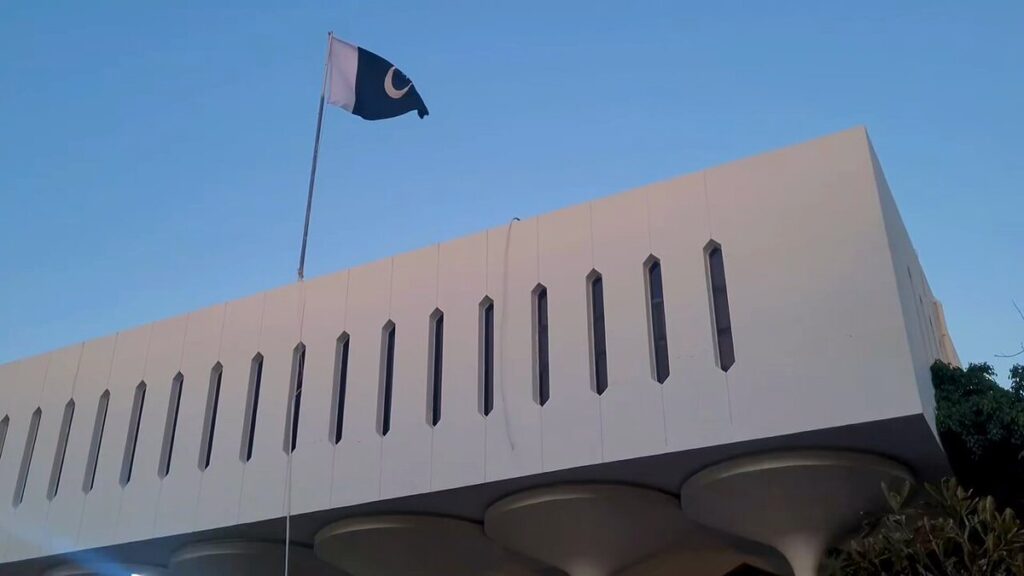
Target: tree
{"type": "Point", "coordinates": [981, 426]}
{"type": "Point", "coordinates": [948, 531]}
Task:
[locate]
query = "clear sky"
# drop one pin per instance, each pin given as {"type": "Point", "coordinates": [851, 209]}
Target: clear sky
{"type": "Point", "coordinates": [154, 159]}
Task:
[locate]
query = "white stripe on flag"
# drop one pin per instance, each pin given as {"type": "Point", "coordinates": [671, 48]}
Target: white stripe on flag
{"type": "Point", "coordinates": [344, 65]}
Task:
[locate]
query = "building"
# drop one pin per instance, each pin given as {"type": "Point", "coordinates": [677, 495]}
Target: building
{"type": "Point", "coordinates": [708, 375]}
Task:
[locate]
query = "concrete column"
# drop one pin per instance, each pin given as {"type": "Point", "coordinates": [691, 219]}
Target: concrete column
{"type": "Point", "coordinates": [797, 502]}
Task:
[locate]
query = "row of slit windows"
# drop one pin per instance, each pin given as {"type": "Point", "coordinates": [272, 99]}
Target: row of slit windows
{"type": "Point", "coordinates": [657, 341]}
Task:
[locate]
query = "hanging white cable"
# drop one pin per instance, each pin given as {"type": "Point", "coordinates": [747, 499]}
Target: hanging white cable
{"type": "Point", "coordinates": [504, 335]}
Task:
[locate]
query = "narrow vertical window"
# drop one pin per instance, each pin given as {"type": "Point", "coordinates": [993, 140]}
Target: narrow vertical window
{"type": "Point", "coordinates": [657, 331]}
{"type": "Point", "coordinates": [170, 425]}
{"type": "Point", "coordinates": [387, 375]}
{"type": "Point", "coordinates": [435, 356]}
{"type": "Point", "coordinates": [485, 359]}
{"type": "Point", "coordinates": [132, 440]}
{"type": "Point", "coordinates": [210, 420]}
{"type": "Point", "coordinates": [291, 425]}
{"type": "Point", "coordinates": [340, 385]}
{"type": "Point", "coordinates": [26, 457]}
{"type": "Point", "coordinates": [252, 403]}
{"type": "Point", "coordinates": [541, 369]}
{"type": "Point", "coordinates": [919, 311]}
{"type": "Point", "coordinates": [97, 441]}
{"type": "Point", "coordinates": [721, 323]}
{"type": "Point", "coordinates": [62, 448]}
{"type": "Point", "coordinates": [598, 344]}
{"type": "Point", "coordinates": [5, 423]}
{"type": "Point", "coordinates": [930, 341]}
{"type": "Point", "coordinates": [934, 336]}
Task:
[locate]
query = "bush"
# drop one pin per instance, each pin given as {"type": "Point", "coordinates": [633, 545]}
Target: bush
{"type": "Point", "coordinates": [948, 532]}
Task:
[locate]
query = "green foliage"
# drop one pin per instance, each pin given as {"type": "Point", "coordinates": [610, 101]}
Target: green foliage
{"type": "Point", "coordinates": [949, 532]}
{"type": "Point", "coordinates": [981, 425]}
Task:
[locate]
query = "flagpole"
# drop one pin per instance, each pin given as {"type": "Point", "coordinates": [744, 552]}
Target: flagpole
{"type": "Point", "coordinates": [316, 154]}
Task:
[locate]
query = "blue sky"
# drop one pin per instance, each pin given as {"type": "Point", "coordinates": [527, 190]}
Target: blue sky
{"type": "Point", "coordinates": [154, 159]}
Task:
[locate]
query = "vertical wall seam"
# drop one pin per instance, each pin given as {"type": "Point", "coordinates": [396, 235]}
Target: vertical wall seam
{"type": "Point", "coordinates": [202, 473]}
{"type": "Point", "coordinates": [85, 498]}
{"type": "Point", "coordinates": [74, 384]}
{"type": "Point", "coordinates": [259, 346]}
{"type": "Point", "coordinates": [487, 292]}
{"type": "Point", "coordinates": [380, 460]}
{"type": "Point", "coordinates": [138, 425]}
{"type": "Point", "coordinates": [160, 485]}
{"type": "Point", "coordinates": [437, 303]}
{"type": "Point", "coordinates": [504, 337]}
{"type": "Point", "coordinates": [593, 266]}
{"type": "Point", "coordinates": [650, 250]}
{"type": "Point", "coordinates": [707, 204]}
{"type": "Point", "coordinates": [540, 409]}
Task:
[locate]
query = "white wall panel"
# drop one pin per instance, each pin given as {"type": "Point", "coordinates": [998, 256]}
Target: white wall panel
{"type": "Point", "coordinates": [219, 485]}
{"type": "Point", "coordinates": [103, 503]}
{"type": "Point", "coordinates": [910, 281]}
{"type": "Point", "coordinates": [513, 428]}
{"type": "Point", "coordinates": [27, 378]}
{"type": "Point", "coordinates": [313, 460]}
{"type": "Point", "coordinates": [696, 392]}
{"type": "Point", "coordinates": [571, 419]}
{"type": "Point", "coordinates": [356, 476]}
{"type": "Point", "coordinates": [405, 460]}
{"type": "Point", "coordinates": [178, 495]}
{"type": "Point", "coordinates": [9, 390]}
{"type": "Point", "coordinates": [139, 501]}
{"type": "Point", "coordinates": [458, 446]}
{"type": "Point", "coordinates": [263, 480]}
{"type": "Point", "coordinates": [632, 407]}
{"type": "Point", "coordinates": [810, 288]}
{"type": "Point", "coordinates": [30, 516]}
{"type": "Point", "coordinates": [65, 514]}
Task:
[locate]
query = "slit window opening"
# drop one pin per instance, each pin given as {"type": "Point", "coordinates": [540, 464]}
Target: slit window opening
{"type": "Point", "coordinates": [435, 364]}
{"type": "Point", "coordinates": [918, 311]}
{"type": "Point", "coordinates": [26, 457]}
{"type": "Point", "coordinates": [598, 342]}
{"type": "Point", "coordinates": [210, 421]}
{"type": "Point", "coordinates": [387, 373]}
{"type": "Point", "coordinates": [932, 343]}
{"type": "Point", "coordinates": [171, 425]}
{"type": "Point", "coordinates": [658, 331]}
{"type": "Point", "coordinates": [486, 356]}
{"type": "Point", "coordinates": [132, 440]}
{"type": "Point", "coordinates": [61, 451]}
{"type": "Point", "coordinates": [252, 402]}
{"type": "Point", "coordinates": [934, 336]}
{"type": "Point", "coordinates": [340, 385]}
{"type": "Point", "coordinates": [721, 320]}
{"type": "Point", "coordinates": [294, 404]}
{"type": "Point", "coordinates": [541, 370]}
{"type": "Point", "coordinates": [97, 441]}
{"type": "Point", "coordinates": [5, 423]}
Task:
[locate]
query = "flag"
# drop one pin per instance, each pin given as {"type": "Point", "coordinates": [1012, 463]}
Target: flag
{"type": "Point", "coordinates": [367, 85]}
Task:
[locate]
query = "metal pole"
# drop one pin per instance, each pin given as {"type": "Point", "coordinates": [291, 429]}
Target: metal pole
{"type": "Point", "coordinates": [316, 153]}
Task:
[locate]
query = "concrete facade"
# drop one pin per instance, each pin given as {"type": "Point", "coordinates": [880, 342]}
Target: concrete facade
{"type": "Point", "coordinates": [832, 318]}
